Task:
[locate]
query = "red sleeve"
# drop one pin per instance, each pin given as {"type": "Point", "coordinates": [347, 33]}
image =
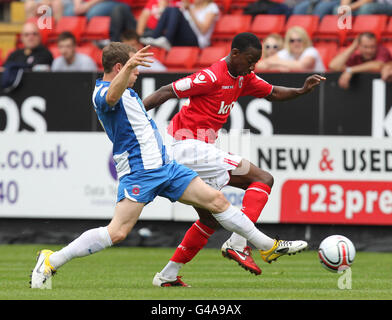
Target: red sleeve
{"type": "Point", "coordinates": [199, 83]}
{"type": "Point", "coordinates": [256, 87]}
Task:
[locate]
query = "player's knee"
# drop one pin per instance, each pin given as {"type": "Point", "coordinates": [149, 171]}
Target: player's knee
{"type": "Point", "coordinates": [118, 236]}
{"type": "Point", "coordinates": [264, 177]}
{"type": "Point", "coordinates": [219, 202]}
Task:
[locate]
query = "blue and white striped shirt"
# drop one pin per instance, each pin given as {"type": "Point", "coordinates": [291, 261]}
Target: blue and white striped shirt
{"type": "Point", "coordinates": [137, 143]}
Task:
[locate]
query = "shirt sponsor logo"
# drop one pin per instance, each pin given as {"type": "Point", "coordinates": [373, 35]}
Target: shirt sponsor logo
{"type": "Point", "coordinates": [200, 78]}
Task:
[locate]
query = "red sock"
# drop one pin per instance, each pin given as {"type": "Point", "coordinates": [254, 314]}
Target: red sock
{"type": "Point", "coordinates": [194, 240]}
{"type": "Point", "coordinates": [255, 198]}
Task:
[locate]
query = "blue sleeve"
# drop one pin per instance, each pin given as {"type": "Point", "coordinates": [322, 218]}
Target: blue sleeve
{"type": "Point", "coordinates": [100, 100]}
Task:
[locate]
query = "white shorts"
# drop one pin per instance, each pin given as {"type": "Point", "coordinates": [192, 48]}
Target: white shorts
{"type": "Point", "coordinates": [211, 164]}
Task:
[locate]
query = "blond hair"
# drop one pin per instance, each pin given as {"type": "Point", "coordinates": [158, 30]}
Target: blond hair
{"type": "Point", "coordinates": [277, 37]}
{"type": "Point", "coordinates": [302, 34]}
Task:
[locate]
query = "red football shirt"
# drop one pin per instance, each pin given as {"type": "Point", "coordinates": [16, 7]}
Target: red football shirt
{"type": "Point", "coordinates": [212, 93]}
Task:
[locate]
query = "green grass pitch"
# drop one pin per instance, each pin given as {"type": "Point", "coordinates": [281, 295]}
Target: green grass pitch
{"type": "Point", "coordinates": [125, 273]}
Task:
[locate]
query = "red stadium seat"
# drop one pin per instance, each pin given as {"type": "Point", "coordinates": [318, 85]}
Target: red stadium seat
{"type": "Point", "coordinates": [363, 23]}
{"type": "Point", "coordinates": [308, 22]}
{"type": "Point", "coordinates": [76, 25]}
{"type": "Point", "coordinates": [54, 50]}
{"type": "Point", "coordinates": [159, 53]}
{"type": "Point", "coordinates": [97, 28]}
{"type": "Point", "coordinates": [387, 34]}
{"type": "Point", "coordinates": [329, 30]}
{"type": "Point", "coordinates": [182, 58]}
{"type": "Point", "coordinates": [264, 24]}
{"type": "Point", "coordinates": [211, 55]}
{"type": "Point", "coordinates": [327, 51]}
{"type": "Point", "coordinates": [229, 25]}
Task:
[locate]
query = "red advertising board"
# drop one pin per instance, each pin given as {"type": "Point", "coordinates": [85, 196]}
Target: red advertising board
{"type": "Point", "coordinates": [336, 201]}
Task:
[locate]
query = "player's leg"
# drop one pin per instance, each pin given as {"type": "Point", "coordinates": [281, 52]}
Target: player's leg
{"type": "Point", "coordinates": [257, 184]}
{"type": "Point", "coordinates": [194, 240]}
{"type": "Point", "coordinates": [91, 241]}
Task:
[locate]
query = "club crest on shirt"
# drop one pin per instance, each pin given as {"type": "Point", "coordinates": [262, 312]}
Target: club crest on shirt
{"type": "Point", "coordinates": [240, 81]}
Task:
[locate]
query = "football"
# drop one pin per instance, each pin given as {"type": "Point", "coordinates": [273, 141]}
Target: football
{"type": "Point", "coordinates": [336, 253]}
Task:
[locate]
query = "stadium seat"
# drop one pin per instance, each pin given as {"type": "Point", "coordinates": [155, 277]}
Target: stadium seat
{"type": "Point", "coordinates": [264, 24]}
{"type": "Point", "coordinates": [159, 53]}
{"type": "Point", "coordinates": [308, 22]}
{"type": "Point", "coordinates": [229, 25]}
{"type": "Point", "coordinates": [211, 55]}
{"type": "Point", "coordinates": [54, 50]}
{"type": "Point", "coordinates": [328, 30]}
{"type": "Point", "coordinates": [224, 5]}
{"type": "Point", "coordinates": [97, 29]}
{"type": "Point", "coordinates": [17, 12]}
{"type": "Point", "coordinates": [181, 58]}
{"type": "Point", "coordinates": [374, 23]}
{"type": "Point", "coordinates": [387, 34]}
{"type": "Point", "coordinates": [74, 24]}
{"type": "Point", "coordinates": [327, 51]}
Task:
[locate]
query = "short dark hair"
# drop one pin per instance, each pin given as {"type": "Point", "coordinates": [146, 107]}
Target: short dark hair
{"type": "Point", "coordinates": [245, 40]}
{"type": "Point", "coordinates": [367, 34]}
{"type": "Point", "coordinates": [66, 35]}
{"type": "Point", "coordinates": [130, 35]}
{"type": "Point", "coordinates": [115, 52]}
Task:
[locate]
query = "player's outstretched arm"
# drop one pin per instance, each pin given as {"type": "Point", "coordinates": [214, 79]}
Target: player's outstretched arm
{"type": "Point", "coordinates": [121, 80]}
{"type": "Point", "coordinates": [284, 93]}
{"type": "Point", "coordinates": [158, 97]}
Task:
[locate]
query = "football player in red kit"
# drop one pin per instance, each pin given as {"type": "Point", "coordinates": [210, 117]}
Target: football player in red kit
{"type": "Point", "coordinates": [212, 93]}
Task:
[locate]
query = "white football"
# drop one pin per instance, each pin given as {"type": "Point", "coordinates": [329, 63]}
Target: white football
{"type": "Point", "coordinates": [336, 253]}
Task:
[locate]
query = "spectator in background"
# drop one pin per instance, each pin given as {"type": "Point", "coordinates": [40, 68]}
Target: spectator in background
{"type": "Point", "coordinates": [150, 15]}
{"type": "Point", "coordinates": [272, 44]}
{"type": "Point", "coordinates": [121, 19]}
{"type": "Point", "coordinates": [386, 72]}
{"type": "Point", "coordinates": [70, 60]}
{"type": "Point", "coordinates": [188, 25]}
{"type": "Point", "coordinates": [131, 38]}
{"type": "Point", "coordinates": [92, 8]}
{"type": "Point", "coordinates": [363, 55]}
{"type": "Point", "coordinates": [32, 8]}
{"type": "Point", "coordinates": [33, 53]}
{"type": "Point", "coordinates": [316, 7]}
{"type": "Point", "coordinates": [298, 54]}
{"type": "Point", "coordinates": [367, 6]}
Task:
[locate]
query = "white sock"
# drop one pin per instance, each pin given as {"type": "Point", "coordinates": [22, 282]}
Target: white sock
{"type": "Point", "coordinates": [237, 241]}
{"type": "Point", "coordinates": [87, 243]}
{"type": "Point", "coordinates": [170, 271]}
{"type": "Point", "coordinates": [233, 219]}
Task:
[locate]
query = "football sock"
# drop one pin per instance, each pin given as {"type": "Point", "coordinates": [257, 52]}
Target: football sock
{"type": "Point", "coordinates": [255, 199]}
{"type": "Point", "coordinates": [194, 240]}
{"type": "Point", "coordinates": [236, 221]}
{"type": "Point", "coordinates": [87, 243]}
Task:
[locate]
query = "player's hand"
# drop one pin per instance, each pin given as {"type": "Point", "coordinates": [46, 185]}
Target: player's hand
{"type": "Point", "coordinates": [140, 58]}
{"type": "Point", "coordinates": [311, 82]}
{"type": "Point", "coordinates": [344, 80]}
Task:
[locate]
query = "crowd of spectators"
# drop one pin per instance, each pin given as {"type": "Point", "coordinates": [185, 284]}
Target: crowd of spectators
{"type": "Point", "coordinates": [168, 23]}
